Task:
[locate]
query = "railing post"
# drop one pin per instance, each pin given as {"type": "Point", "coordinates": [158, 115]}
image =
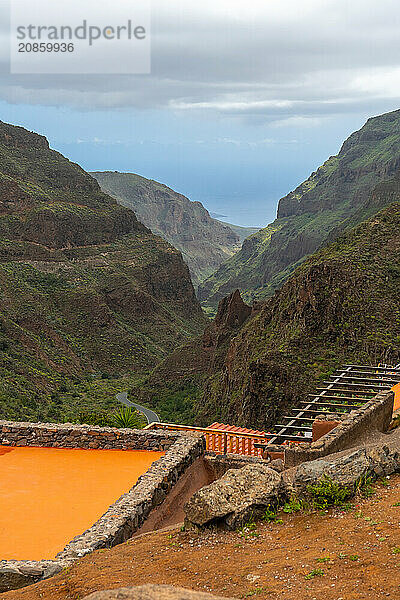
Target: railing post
{"type": "Point", "coordinates": [224, 450]}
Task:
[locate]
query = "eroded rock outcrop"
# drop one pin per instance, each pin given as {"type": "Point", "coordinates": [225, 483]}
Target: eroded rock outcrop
{"type": "Point", "coordinates": [347, 471]}
{"type": "Point", "coordinates": [204, 242]}
{"type": "Point", "coordinates": [339, 307]}
{"type": "Point", "coordinates": [245, 493]}
{"type": "Point", "coordinates": [239, 495]}
{"type": "Point", "coordinates": [314, 213]}
{"type": "Point", "coordinates": [232, 313]}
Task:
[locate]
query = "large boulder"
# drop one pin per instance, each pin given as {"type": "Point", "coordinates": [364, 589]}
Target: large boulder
{"type": "Point", "coordinates": [384, 460]}
{"type": "Point", "coordinates": [239, 495]}
{"type": "Point", "coordinates": [152, 592]}
{"type": "Point", "coordinates": [347, 471]}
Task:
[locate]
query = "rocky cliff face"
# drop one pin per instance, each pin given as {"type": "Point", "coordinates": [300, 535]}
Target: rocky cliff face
{"type": "Point", "coordinates": [341, 305]}
{"type": "Point", "coordinates": [85, 288]}
{"type": "Point", "coordinates": [204, 242]}
{"type": "Point", "coordinates": [176, 384]}
{"type": "Point", "coordinates": [336, 196]}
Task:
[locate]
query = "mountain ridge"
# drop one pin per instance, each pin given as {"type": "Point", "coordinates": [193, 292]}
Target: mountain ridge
{"type": "Point", "coordinates": [333, 197]}
{"type": "Point", "coordinates": [204, 242]}
{"type": "Point", "coordinates": [99, 295]}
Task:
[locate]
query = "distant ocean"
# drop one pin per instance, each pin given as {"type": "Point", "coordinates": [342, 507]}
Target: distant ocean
{"type": "Point", "coordinates": [246, 212]}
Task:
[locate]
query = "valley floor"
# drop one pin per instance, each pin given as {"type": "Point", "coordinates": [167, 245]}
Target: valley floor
{"type": "Point", "coordinates": [352, 555]}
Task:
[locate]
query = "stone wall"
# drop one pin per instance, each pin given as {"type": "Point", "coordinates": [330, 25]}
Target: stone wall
{"type": "Point", "coordinates": [374, 416]}
{"type": "Point", "coordinates": [219, 464]}
{"type": "Point", "coordinates": [83, 436]}
{"type": "Point", "coordinates": [128, 513]}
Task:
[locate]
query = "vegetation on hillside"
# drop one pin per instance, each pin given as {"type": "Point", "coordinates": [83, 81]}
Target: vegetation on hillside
{"type": "Point", "coordinates": [342, 305]}
{"type": "Point", "coordinates": [335, 197]}
{"type": "Point", "coordinates": [88, 293]}
{"type": "Point", "coordinates": [204, 242]}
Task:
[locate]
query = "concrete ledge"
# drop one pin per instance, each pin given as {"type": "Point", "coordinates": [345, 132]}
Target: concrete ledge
{"type": "Point", "coordinates": [375, 415]}
{"type": "Point", "coordinates": [128, 513]}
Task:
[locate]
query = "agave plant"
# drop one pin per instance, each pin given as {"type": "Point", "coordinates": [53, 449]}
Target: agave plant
{"type": "Point", "coordinates": [127, 417]}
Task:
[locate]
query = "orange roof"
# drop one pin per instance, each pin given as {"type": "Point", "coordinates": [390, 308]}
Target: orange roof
{"type": "Point", "coordinates": [234, 428]}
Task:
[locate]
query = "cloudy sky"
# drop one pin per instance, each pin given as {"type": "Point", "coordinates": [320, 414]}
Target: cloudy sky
{"type": "Point", "coordinates": [244, 100]}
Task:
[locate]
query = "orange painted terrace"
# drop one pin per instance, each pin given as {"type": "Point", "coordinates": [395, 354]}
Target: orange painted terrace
{"type": "Point", "coordinates": [50, 495]}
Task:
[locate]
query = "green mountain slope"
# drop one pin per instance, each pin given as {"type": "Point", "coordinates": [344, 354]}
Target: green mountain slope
{"type": "Point", "coordinates": [242, 232]}
{"type": "Point", "coordinates": [204, 242]}
{"type": "Point", "coordinates": [86, 290]}
{"type": "Point", "coordinates": [342, 305]}
{"type": "Point", "coordinates": [336, 196]}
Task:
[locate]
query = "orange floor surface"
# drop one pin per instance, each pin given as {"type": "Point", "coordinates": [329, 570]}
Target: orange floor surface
{"type": "Point", "coordinates": [396, 390]}
{"type": "Point", "coordinates": [49, 495]}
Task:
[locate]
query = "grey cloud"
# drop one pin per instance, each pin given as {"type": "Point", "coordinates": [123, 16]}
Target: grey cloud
{"type": "Point", "coordinates": [261, 60]}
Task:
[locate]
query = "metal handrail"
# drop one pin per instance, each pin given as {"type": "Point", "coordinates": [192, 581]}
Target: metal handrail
{"type": "Point", "coordinates": [205, 431]}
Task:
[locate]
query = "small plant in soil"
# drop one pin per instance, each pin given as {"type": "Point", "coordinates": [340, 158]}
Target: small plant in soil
{"type": "Point", "coordinates": [248, 530]}
{"type": "Point", "coordinates": [271, 515]}
{"type": "Point", "coordinates": [324, 559]}
{"type": "Point", "coordinates": [364, 486]}
{"type": "Point", "coordinates": [255, 592]}
{"type": "Point", "coordinates": [327, 493]}
{"type": "Point", "coordinates": [294, 505]}
{"type": "Point", "coordinates": [315, 573]}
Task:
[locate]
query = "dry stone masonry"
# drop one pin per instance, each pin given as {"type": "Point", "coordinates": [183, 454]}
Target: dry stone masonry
{"type": "Point", "coordinates": [82, 436]}
{"type": "Point", "coordinates": [128, 513]}
{"type": "Point", "coordinates": [374, 416]}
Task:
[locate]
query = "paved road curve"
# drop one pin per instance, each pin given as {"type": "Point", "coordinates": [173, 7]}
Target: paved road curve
{"type": "Point", "coordinates": [151, 416]}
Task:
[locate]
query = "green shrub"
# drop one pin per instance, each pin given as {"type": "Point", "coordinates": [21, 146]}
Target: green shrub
{"type": "Point", "coordinates": [328, 493]}
{"type": "Point", "coordinates": [99, 418]}
{"type": "Point", "coordinates": [270, 515]}
{"type": "Point", "coordinates": [294, 505]}
{"type": "Point", "coordinates": [124, 417]}
{"type": "Point", "coordinates": [315, 573]}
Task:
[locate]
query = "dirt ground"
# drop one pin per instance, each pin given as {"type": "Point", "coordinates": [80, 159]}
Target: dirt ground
{"type": "Point", "coordinates": [351, 555]}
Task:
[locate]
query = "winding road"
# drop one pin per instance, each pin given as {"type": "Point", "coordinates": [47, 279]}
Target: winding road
{"type": "Point", "coordinates": [151, 416]}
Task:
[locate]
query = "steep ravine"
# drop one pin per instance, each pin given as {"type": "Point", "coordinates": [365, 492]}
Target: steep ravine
{"type": "Point", "coordinates": [342, 305]}
{"type": "Point", "coordinates": [205, 243]}
{"type": "Point", "coordinates": [87, 291]}
{"type": "Point", "coordinates": [336, 196]}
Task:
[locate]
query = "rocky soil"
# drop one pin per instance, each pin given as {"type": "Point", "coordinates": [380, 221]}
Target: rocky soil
{"type": "Point", "coordinates": [151, 592]}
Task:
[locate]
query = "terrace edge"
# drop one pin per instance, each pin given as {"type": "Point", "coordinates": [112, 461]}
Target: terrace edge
{"type": "Point", "coordinates": [123, 517]}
